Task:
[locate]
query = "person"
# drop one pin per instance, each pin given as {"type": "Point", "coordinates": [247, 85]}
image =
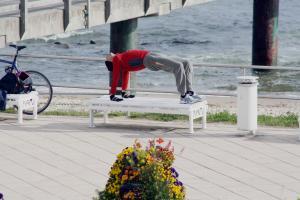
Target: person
{"type": "Point", "coordinates": [136, 60]}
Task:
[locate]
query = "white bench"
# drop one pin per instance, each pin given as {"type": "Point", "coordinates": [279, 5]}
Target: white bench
{"type": "Point", "coordinates": [299, 126]}
{"type": "Point", "coordinates": [148, 105]}
{"type": "Point", "coordinates": [23, 101]}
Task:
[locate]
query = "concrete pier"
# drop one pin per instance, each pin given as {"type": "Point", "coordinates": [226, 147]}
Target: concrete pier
{"type": "Point", "coordinates": [29, 19]}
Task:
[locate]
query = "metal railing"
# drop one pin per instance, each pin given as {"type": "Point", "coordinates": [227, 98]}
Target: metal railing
{"type": "Point", "coordinates": [84, 58]}
{"type": "Point", "coordinates": [92, 59]}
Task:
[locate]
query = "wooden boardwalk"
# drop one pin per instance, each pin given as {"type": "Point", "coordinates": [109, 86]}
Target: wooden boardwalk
{"type": "Point", "coordinates": [61, 158]}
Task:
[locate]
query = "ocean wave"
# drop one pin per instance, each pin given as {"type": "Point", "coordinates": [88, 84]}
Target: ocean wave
{"type": "Point", "coordinates": [185, 41]}
{"type": "Point", "coordinates": [64, 35]}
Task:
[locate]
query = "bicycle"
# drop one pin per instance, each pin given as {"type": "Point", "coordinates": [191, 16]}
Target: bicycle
{"type": "Point", "coordinates": [39, 82]}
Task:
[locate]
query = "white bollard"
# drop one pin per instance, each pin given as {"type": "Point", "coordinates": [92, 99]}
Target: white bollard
{"type": "Point", "coordinates": [247, 103]}
{"type": "Point", "coordinates": [299, 126]}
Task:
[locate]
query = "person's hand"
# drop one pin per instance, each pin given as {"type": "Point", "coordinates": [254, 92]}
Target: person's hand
{"type": "Point", "coordinates": [159, 64]}
{"type": "Point", "coordinates": [126, 95]}
{"type": "Point", "coordinates": [114, 98]}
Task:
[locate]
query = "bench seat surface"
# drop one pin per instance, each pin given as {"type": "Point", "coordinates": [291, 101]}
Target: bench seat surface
{"type": "Point", "coordinates": [146, 104]}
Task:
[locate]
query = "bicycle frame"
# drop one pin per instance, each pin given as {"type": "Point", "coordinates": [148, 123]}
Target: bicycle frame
{"type": "Point", "coordinates": [12, 63]}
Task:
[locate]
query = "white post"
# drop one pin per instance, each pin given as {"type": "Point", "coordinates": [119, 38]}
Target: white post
{"type": "Point", "coordinates": [299, 125]}
{"type": "Point", "coordinates": [20, 113]}
{"type": "Point", "coordinates": [247, 103]}
{"type": "Point", "coordinates": [35, 106]}
{"type": "Point", "coordinates": [92, 125]}
{"type": "Point", "coordinates": [105, 117]}
{"type": "Point", "coordinates": [191, 121]}
{"type": "Point", "coordinates": [204, 117]}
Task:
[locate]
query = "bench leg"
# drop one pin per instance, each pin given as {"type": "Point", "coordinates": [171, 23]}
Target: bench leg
{"type": "Point", "coordinates": [204, 118]}
{"type": "Point", "coordinates": [204, 121]}
{"type": "Point", "coordinates": [191, 122]}
{"type": "Point", "coordinates": [35, 108]}
{"type": "Point", "coordinates": [20, 114]}
{"type": "Point", "coordinates": [105, 117]}
{"type": "Point", "coordinates": [91, 125]}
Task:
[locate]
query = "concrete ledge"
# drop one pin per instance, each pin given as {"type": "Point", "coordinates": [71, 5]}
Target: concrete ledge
{"type": "Point", "coordinates": [120, 10]}
{"type": "Point", "coordinates": [195, 2]}
{"type": "Point", "coordinates": [175, 4]}
{"type": "Point", "coordinates": [46, 17]}
{"type": "Point", "coordinates": [9, 29]}
{"type": "Point", "coordinates": [164, 9]}
{"type": "Point", "coordinates": [2, 40]}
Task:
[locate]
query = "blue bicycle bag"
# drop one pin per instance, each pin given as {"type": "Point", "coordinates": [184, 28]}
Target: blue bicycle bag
{"type": "Point", "coordinates": [2, 100]}
{"type": "Point", "coordinates": [10, 84]}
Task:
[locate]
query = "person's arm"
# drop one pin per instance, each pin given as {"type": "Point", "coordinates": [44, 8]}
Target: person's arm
{"type": "Point", "coordinates": [125, 79]}
{"type": "Point", "coordinates": [115, 75]}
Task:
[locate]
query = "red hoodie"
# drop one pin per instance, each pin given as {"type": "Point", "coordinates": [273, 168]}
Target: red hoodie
{"type": "Point", "coordinates": [129, 61]}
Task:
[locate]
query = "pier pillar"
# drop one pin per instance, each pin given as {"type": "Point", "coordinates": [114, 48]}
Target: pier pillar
{"type": "Point", "coordinates": [265, 32]}
{"type": "Point", "coordinates": [122, 38]}
{"type": "Point", "coordinates": [23, 17]}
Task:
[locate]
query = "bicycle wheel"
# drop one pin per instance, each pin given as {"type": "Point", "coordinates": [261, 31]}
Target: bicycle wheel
{"type": "Point", "coordinates": [42, 85]}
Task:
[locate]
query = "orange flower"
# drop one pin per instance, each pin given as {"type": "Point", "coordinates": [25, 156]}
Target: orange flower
{"type": "Point", "coordinates": [135, 172]}
{"type": "Point", "coordinates": [159, 140]}
{"type": "Point", "coordinates": [129, 195]}
{"type": "Point", "coordinates": [138, 145]}
{"type": "Point", "coordinates": [124, 177]}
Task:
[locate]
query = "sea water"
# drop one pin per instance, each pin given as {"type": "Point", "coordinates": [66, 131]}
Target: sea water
{"type": "Point", "coordinates": [216, 32]}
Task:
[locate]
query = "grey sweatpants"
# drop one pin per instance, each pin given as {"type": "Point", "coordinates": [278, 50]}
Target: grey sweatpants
{"type": "Point", "coordinates": [182, 69]}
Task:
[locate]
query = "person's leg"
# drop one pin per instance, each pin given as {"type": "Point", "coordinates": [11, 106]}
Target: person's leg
{"type": "Point", "coordinates": [188, 68]}
{"type": "Point", "coordinates": [158, 62]}
{"type": "Point", "coordinates": [180, 77]}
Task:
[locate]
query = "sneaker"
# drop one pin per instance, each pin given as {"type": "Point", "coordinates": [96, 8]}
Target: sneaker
{"type": "Point", "coordinates": [197, 97]}
{"type": "Point", "coordinates": [187, 100]}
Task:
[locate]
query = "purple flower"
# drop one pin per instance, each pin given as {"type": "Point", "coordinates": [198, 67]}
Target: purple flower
{"type": "Point", "coordinates": [174, 172]}
{"type": "Point", "coordinates": [178, 183]}
{"type": "Point", "coordinates": [1, 196]}
{"type": "Point", "coordinates": [135, 159]}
